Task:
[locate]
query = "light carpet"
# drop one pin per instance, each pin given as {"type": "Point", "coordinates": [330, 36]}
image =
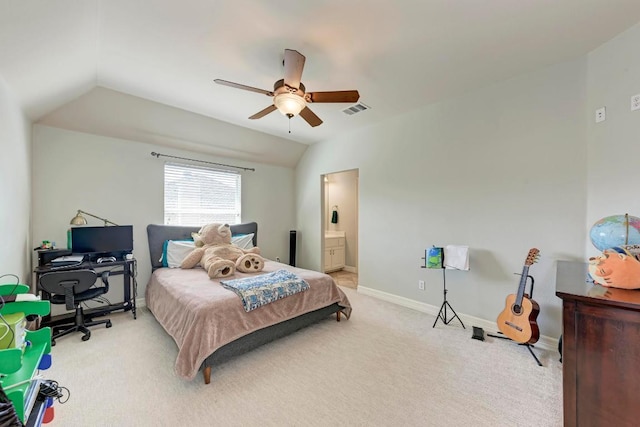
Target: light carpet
{"type": "Point", "coordinates": [386, 366]}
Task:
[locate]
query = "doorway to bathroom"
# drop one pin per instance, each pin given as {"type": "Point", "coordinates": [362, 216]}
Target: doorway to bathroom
{"type": "Point", "coordinates": [340, 226]}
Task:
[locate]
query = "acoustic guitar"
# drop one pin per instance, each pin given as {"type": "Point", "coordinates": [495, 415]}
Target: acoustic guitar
{"type": "Point", "coordinates": [518, 319]}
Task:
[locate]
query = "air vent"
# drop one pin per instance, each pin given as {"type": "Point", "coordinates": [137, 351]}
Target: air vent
{"type": "Point", "coordinates": [356, 108]}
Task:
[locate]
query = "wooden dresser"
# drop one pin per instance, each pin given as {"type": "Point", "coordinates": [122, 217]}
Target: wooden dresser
{"type": "Point", "coordinates": [601, 350]}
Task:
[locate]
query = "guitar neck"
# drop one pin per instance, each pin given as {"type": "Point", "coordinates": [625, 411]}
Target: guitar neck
{"type": "Point", "coordinates": [521, 286]}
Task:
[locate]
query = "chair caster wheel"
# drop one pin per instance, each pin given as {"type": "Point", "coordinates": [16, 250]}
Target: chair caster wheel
{"type": "Point", "coordinates": [53, 343]}
{"type": "Point", "coordinates": [109, 324]}
{"type": "Point", "coordinates": [86, 337]}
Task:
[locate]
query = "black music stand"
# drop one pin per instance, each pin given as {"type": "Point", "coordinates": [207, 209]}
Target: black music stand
{"type": "Point", "coordinates": [442, 314]}
{"type": "Point", "coordinates": [526, 344]}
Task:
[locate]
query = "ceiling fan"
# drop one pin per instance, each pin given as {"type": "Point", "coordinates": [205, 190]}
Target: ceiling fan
{"type": "Point", "coordinates": [289, 94]}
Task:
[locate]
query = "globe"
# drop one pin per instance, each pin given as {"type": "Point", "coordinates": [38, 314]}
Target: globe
{"type": "Point", "coordinates": [615, 230]}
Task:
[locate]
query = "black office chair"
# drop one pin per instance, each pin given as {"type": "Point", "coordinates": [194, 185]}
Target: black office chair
{"type": "Point", "coordinates": [72, 288]}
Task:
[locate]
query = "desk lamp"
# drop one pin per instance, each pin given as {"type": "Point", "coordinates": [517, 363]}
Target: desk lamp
{"type": "Point", "coordinates": [80, 220]}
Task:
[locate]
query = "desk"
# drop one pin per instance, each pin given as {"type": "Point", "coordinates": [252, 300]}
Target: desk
{"type": "Point", "coordinates": [125, 268]}
{"type": "Point", "coordinates": [601, 350]}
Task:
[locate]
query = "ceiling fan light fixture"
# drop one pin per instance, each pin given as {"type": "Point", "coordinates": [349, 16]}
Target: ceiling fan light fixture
{"type": "Point", "coordinates": [290, 96]}
{"type": "Point", "coordinates": [289, 104]}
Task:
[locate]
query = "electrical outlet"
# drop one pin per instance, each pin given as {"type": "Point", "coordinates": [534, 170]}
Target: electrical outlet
{"type": "Point", "coordinates": [635, 102]}
{"type": "Point", "coordinates": [421, 285]}
{"type": "Point", "coordinates": [601, 115]}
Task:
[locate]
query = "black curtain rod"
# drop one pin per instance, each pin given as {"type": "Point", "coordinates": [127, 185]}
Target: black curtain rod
{"type": "Point", "coordinates": [153, 153]}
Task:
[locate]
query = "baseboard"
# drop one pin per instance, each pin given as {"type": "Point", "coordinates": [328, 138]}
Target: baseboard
{"type": "Point", "coordinates": [140, 302]}
{"type": "Point", "coordinates": [350, 269]}
{"type": "Point", "coordinates": [545, 342]}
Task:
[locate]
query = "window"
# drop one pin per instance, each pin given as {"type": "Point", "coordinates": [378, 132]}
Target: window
{"type": "Point", "coordinates": [197, 195]}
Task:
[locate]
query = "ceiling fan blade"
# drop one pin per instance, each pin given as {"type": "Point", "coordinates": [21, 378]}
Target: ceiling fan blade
{"type": "Point", "coordinates": [293, 66]}
{"type": "Point", "coordinates": [243, 87]}
{"type": "Point", "coordinates": [264, 112]}
{"type": "Point", "coordinates": [310, 117]}
{"type": "Point", "coordinates": [335, 96]}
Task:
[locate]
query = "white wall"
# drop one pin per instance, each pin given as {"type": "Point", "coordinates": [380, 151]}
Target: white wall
{"type": "Point", "coordinates": [120, 180]}
{"type": "Point", "coordinates": [613, 145]}
{"type": "Point", "coordinates": [501, 169]}
{"type": "Point", "coordinates": [15, 188]}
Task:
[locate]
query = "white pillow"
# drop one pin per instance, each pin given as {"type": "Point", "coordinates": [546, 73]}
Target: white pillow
{"type": "Point", "coordinates": [243, 241]}
{"type": "Point", "coordinates": [177, 250]}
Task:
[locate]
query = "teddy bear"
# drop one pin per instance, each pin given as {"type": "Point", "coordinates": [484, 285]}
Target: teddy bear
{"type": "Point", "coordinates": [218, 256]}
{"type": "Point", "coordinates": [617, 268]}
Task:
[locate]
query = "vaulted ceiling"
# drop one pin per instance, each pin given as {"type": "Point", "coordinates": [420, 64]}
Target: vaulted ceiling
{"type": "Point", "coordinates": [400, 54]}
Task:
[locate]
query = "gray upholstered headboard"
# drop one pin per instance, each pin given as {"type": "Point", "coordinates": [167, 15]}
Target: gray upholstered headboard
{"type": "Point", "coordinates": [157, 234]}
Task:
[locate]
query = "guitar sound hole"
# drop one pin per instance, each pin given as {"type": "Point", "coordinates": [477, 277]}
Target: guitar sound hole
{"type": "Point", "coordinates": [517, 309]}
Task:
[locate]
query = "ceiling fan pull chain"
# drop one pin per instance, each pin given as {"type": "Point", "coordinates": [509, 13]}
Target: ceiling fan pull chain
{"type": "Point", "coordinates": [289, 124]}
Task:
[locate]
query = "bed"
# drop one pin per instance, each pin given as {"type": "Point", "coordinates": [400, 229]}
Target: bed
{"type": "Point", "coordinates": [208, 321]}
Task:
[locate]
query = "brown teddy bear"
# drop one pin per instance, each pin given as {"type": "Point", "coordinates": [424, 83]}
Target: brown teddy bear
{"type": "Point", "coordinates": [218, 256]}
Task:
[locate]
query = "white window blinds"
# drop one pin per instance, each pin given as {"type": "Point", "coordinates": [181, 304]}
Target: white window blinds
{"type": "Point", "coordinates": [196, 195]}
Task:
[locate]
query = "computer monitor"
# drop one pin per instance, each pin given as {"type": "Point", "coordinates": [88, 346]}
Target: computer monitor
{"type": "Point", "coordinates": [112, 240]}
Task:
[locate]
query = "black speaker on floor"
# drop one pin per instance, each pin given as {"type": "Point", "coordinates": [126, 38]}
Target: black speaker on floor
{"type": "Point", "coordinates": [292, 247]}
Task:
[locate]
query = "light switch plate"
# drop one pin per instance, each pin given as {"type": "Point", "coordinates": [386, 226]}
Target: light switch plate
{"type": "Point", "coordinates": [601, 115]}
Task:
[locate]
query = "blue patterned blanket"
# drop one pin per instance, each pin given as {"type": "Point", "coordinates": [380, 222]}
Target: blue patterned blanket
{"type": "Point", "coordinates": [259, 290]}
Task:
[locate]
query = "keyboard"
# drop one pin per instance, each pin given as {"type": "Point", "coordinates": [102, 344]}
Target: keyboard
{"type": "Point", "coordinates": [67, 260]}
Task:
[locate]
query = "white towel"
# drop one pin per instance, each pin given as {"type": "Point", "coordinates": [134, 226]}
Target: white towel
{"type": "Point", "coordinates": [456, 257]}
